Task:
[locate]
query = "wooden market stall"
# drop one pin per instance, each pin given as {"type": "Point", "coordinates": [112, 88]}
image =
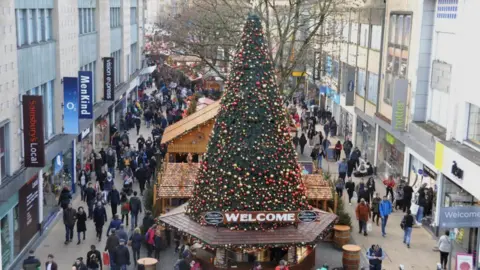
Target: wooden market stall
{"type": "Point", "coordinates": [319, 192]}
{"type": "Point", "coordinates": [176, 186]}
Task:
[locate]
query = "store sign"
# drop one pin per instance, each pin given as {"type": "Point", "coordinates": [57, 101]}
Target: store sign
{"type": "Point", "coordinates": [28, 208]}
{"type": "Point", "coordinates": [86, 94]}
{"type": "Point", "coordinates": [213, 218]}
{"type": "Point", "coordinates": [460, 217]}
{"type": "Point", "coordinates": [464, 261]}
{"type": "Point", "coordinates": [269, 217]}
{"type": "Point", "coordinates": [429, 172]}
{"type": "Point", "coordinates": [34, 150]}
{"type": "Point", "coordinates": [399, 104]}
{"type": "Point", "coordinates": [457, 171]}
{"type": "Point", "coordinates": [70, 105]}
{"type": "Point", "coordinates": [108, 79]}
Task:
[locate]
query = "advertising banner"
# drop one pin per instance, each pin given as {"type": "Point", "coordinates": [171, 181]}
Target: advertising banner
{"type": "Point", "coordinates": [460, 217]}
{"type": "Point", "coordinates": [70, 105]}
{"type": "Point", "coordinates": [34, 150]}
{"type": "Point", "coordinates": [108, 79]}
{"type": "Point", "coordinates": [85, 86]}
{"type": "Point", "coordinates": [399, 104]}
{"type": "Point", "coordinates": [28, 208]}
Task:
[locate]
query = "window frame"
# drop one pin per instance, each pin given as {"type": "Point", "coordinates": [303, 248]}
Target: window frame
{"type": "Point", "coordinates": [5, 155]}
{"type": "Point", "coordinates": [469, 138]}
{"type": "Point", "coordinates": [361, 91]}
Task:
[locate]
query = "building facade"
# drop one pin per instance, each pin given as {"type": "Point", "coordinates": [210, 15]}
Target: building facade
{"type": "Point", "coordinates": [424, 118]}
{"type": "Point", "coordinates": [42, 43]}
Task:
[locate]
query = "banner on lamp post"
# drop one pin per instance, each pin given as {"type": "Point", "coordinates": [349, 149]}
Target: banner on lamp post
{"type": "Point", "coordinates": [85, 86]}
{"type": "Point", "coordinates": [70, 105]}
{"type": "Point", "coordinates": [34, 150]}
{"type": "Point", "coordinates": [399, 104]}
{"type": "Point", "coordinates": [108, 79]}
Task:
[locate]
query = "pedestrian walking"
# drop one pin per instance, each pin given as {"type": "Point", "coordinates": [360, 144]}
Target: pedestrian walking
{"type": "Point", "coordinates": [142, 175]}
{"type": "Point", "coordinates": [82, 182]}
{"type": "Point", "coordinates": [444, 246]}
{"type": "Point", "coordinates": [321, 155]}
{"type": "Point", "coordinates": [148, 221]}
{"type": "Point", "coordinates": [350, 187]}
{"type": "Point", "coordinates": [136, 241]}
{"type": "Point", "coordinates": [371, 187]}
{"type": "Point", "coordinates": [138, 122]}
{"type": "Point", "coordinates": [385, 210]}
{"type": "Point", "coordinates": [122, 256]}
{"type": "Point", "coordinates": [111, 161]}
{"type": "Point", "coordinates": [376, 208]}
{"type": "Point", "coordinates": [121, 233]}
{"type": "Point", "coordinates": [114, 200]}
{"type": "Point", "coordinates": [296, 141]}
{"type": "Point", "coordinates": [389, 185]}
{"type": "Point", "coordinates": [339, 187]}
{"type": "Point", "coordinates": [79, 264]}
{"type": "Point", "coordinates": [150, 239]}
{"type": "Point", "coordinates": [112, 243]}
{"type": "Point", "coordinates": [158, 243]}
{"type": "Point", "coordinates": [363, 215]}
{"type": "Point", "coordinates": [90, 195]}
{"type": "Point", "coordinates": [407, 225]}
{"type": "Point", "coordinates": [64, 198]}
{"type": "Point", "coordinates": [375, 257]}
{"type": "Point", "coordinates": [303, 142]}
{"type": "Point", "coordinates": [347, 147]}
{"type": "Point", "coordinates": [51, 264]}
{"type": "Point", "coordinates": [135, 208]}
{"type": "Point", "coordinates": [69, 218]}
{"type": "Point", "coordinates": [99, 218]}
{"type": "Point", "coordinates": [124, 208]}
{"type": "Point", "coordinates": [326, 129]}
{"type": "Point", "coordinates": [342, 169]}
{"type": "Point", "coordinates": [94, 259]}
{"type": "Point", "coordinates": [31, 262]}
{"type": "Point", "coordinates": [338, 150]}
{"type": "Point", "coordinates": [114, 224]}
{"type": "Point", "coordinates": [333, 127]}
{"type": "Point", "coordinates": [407, 197]}
{"type": "Point", "coordinates": [314, 156]}
{"type": "Point", "coordinates": [81, 223]}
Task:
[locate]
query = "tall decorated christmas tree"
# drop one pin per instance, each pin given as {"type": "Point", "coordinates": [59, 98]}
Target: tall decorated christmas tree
{"type": "Point", "coordinates": [250, 164]}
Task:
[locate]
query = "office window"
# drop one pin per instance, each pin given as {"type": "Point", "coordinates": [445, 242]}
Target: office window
{"type": "Point", "coordinates": [335, 70]}
{"type": "Point", "coordinates": [33, 26]}
{"type": "Point", "coordinates": [397, 51]}
{"type": "Point", "coordinates": [134, 52]}
{"type": "Point", "coordinates": [376, 37]}
{"type": "Point", "coordinates": [86, 20]}
{"type": "Point", "coordinates": [30, 26]}
{"type": "Point", "coordinates": [361, 82]}
{"type": "Point", "coordinates": [48, 24]}
{"type": "Point", "coordinates": [116, 66]}
{"type": "Point", "coordinates": [346, 28]}
{"type": "Point", "coordinates": [473, 133]}
{"type": "Point", "coordinates": [372, 87]}
{"type": "Point", "coordinates": [354, 33]}
{"type": "Point", "coordinates": [364, 32]}
{"type": "Point", "coordinates": [115, 17]}
{"type": "Point", "coordinates": [133, 15]}
{"type": "Point", "coordinates": [4, 151]}
{"type": "Point", "coordinates": [21, 15]}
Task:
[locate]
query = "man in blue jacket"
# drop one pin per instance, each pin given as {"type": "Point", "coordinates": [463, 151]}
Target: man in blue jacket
{"type": "Point", "coordinates": [385, 209]}
{"type": "Point", "coordinates": [342, 169]}
{"type": "Point", "coordinates": [114, 224]}
{"type": "Point", "coordinates": [375, 257]}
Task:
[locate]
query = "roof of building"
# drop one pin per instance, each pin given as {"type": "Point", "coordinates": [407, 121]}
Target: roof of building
{"type": "Point", "coordinates": [317, 188]}
{"type": "Point", "coordinates": [190, 122]}
{"type": "Point", "coordinates": [221, 236]}
{"type": "Point", "coordinates": [177, 180]}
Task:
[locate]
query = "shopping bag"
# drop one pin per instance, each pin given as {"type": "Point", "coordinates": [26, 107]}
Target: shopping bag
{"type": "Point", "coordinates": [106, 259]}
{"type": "Point", "coordinates": [369, 227]}
{"type": "Point", "coordinates": [414, 208]}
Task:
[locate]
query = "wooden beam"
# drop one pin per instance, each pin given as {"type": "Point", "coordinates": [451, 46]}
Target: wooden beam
{"type": "Point", "coordinates": [325, 205]}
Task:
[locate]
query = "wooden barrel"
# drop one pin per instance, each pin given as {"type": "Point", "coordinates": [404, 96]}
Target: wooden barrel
{"type": "Point", "coordinates": [351, 257]}
{"type": "Point", "coordinates": [148, 263]}
{"type": "Point", "coordinates": [341, 235]}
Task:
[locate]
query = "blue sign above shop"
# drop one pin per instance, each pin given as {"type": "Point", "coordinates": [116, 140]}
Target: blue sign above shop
{"type": "Point", "coordinates": [85, 80]}
{"type": "Point", "coordinates": [70, 105]}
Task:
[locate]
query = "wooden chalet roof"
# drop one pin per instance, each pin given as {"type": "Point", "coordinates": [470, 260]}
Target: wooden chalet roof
{"type": "Point", "coordinates": [306, 232]}
{"type": "Point", "coordinates": [191, 121]}
{"type": "Point", "coordinates": [317, 188]}
{"type": "Point", "coordinates": [177, 180]}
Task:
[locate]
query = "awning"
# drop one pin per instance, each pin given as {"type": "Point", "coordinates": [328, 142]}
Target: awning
{"type": "Point", "coordinates": [148, 70]}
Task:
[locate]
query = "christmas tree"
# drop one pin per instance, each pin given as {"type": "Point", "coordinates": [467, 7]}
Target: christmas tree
{"type": "Point", "coordinates": [250, 163]}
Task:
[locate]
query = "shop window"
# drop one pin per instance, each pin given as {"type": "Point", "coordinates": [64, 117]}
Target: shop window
{"type": "Point", "coordinates": [364, 33]}
{"type": "Point", "coordinates": [361, 82]}
{"type": "Point", "coordinates": [354, 33]}
{"type": "Point", "coordinates": [376, 37]}
{"type": "Point", "coordinates": [473, 133]}
{"type": "Point", "coordinates": [16, 231]}
{"type": "Point", "coordinates": [372, 87]}
{"type": "Point", "coordinates": [335, 70]}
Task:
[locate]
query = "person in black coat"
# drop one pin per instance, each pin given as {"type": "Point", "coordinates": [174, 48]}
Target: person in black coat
{"type": "Point", "coordinates": [94, 258]}
{"type": "Point", "coordinates": [90, 195]}
{"type": "Point", "coordinates": [371, 188]}
{"type": "Point", "coordinates": [350, 187]}
{"type": "Point", "coordinates": [64, 198]}
{"type": "Point", "coordinates": [122, 256]}
{"type": "Point", "coordinates": [114, 200]}
{"type": "Point", "coordinates": [303, 142]}
{"type": "Point", "coordinates": [81, 223]}
{"type": "Point", "coordinates": [99, 218]}
{"type": "Point", "coordinates": [141, 174]}
{"type": "Point", "coordinates": [296, 141]}
{"type": "Point", "coordinates": [407, 197]}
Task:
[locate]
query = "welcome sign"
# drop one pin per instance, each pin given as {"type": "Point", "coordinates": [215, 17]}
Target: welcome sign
{"type": "Point", "coordinates": [215, 218]}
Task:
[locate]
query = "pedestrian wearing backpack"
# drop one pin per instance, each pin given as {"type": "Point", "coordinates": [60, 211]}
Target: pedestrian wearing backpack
{"type": "Point", "coordinates": [407, 225]}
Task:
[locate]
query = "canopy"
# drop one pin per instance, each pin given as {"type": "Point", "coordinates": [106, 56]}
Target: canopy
{"type": "Point", "coordinates": [148, 70]}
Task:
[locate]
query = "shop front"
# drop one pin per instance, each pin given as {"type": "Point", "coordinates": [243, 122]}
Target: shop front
{"type": "Point", "coordinates": [9, 230]}
{"type": "Point", "coordinates": [459, 191]}
{"type": "Point", "coordinates": [365, 139]}
{"type": "Point", "coordinates": [84, 149]}
{"type": "Point", "coordinates": [390, 155]}
{"type": "Point", "coordinates": [345, 124]}
{"type": "Point", "coordinates": [102, 133]}
{"type": "Point", "coordinates": [421, 173]}
{"type": "Point", "coordinates": [56, 175]}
